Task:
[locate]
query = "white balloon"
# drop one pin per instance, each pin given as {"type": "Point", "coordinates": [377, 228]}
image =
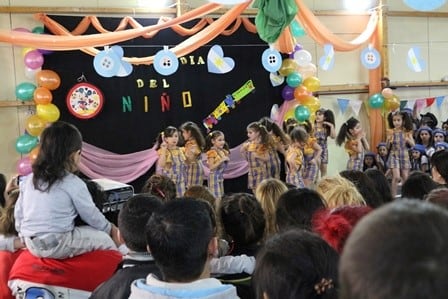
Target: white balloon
{"type": "Point", "coordinates": [31, 73]}
{"type": "Point", "coordinates": [303, 57]}
{"type": "Point", "coordinates": [307, 71]}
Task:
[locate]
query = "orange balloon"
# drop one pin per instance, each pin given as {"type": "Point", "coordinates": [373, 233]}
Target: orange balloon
{"type": "Point", "coordinates": [48, 79]}
{"type": "Point", "coordinates": [300, 91]}
{"type": "Point", "coordinates": [311, 102]}
{"type": "Point", "coordinates": [42, 96]}
{"type": "Point", "coordinates": [33, 154]}
{"type": "Point", "coordinates": [312, 83]}
{"type": "Point", "coordinates": [35, 125]}
{"type": "Point", "coordinates": [392, 103]}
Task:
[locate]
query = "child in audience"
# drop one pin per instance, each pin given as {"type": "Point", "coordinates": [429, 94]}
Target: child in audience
{"type": "Point", "coordinates": [424, 137]}
{"type": "Point", "coordinates": [194, 144]}
{"type": "Point", "coordinates": [161, 186]}
{"type": "Point", "coordinates": [399, 138]}
{"type": "Point", "coordinates": [217, 152]}
{"type": "Point", "coordinates": [441, 146]}
{"type": "Point", "coordinates": [59, 196]}
{"type": "Point", "coordinates": [369, 161]}
{"type": "Point", "coordinates": [324, 127]}
{"type": "Point", "coordinates": [354, 137]}
{"type": "Point", "coordinates": [419, 160]}
{"type": "Point", "coordinates": [171, 162]}
{"type": "Point", "coordinates": [294, 157]}
{"type": "Point", "coordinates": [338, 191]}
{"type": "Point", "coordinates": [381, 157]}
{"type": "Point", "coordinates": [439, 135]}
{"type": "Point", "coordinates": [255, 151]}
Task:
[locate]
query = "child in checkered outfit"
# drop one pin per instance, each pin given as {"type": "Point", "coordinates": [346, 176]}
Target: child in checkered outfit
{"type": "Point", "coordinates": [194, 144]}
{"type": "Point", "coordinates": [355, 143]}
{"type": "Point", "coordinates": [217, 152]}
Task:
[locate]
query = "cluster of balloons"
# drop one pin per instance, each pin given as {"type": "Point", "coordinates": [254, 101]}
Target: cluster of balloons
{"type": "Point", "coordinates": [40, 92]}
{"type": "Point", "coordinates": [301, 82]}
{"type": "Point", "coordinates": [386, 100]}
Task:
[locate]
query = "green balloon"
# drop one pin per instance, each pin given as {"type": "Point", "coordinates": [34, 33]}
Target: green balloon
{"type": "Point", "coordinates": [25, 91]}
{"type": "Point", "coordinates": [376, 101]}
{"type": "Point", "coordinates": [38, 30]}
{"type": "Point", "coordinates": [302, 113]}
{"type": "Point", "coordinates": [25, 143]}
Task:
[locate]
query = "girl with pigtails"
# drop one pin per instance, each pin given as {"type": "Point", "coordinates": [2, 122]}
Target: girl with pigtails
{"type": "Point", "coordinates": [279, 142]}
{"type": "Point", "coordinates": [217, 152]}
{"type": "Point", "coordinates": [399, 139]}
{"type": "Point", "coordinates": [194, 144]}
{"type": "Point", "coordinates": [355, 143]}
{"type": "Point", "coordinates": [255, 151]}
{"type": "Point", "coordinates": [324, 127]}
{"type": "Point", "coordinates": [171, 162]}
{"type": "Point", "coordinates": [294, 157]}
{"type": "Point", "coordinates": [311, 155]}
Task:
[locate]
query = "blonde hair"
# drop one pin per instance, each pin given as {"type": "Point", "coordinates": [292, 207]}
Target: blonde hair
{"type": "Point", "coordinates": [7, 226]}
{"type": "Point", "coordinates": [337, 191]}
{"type": "Point", "coordinates": [267, 193]}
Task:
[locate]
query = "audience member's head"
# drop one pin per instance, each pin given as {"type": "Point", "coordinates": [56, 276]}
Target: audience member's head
{"type": "Point", "coordinates": [417, 185]}
{"type": "Point", "coordinates": [296, 264]}
{"type": "Point", "coordinates": [161, 186]}
{"type": "Point", "coordinates": [2, 189]}
{"type": "Point", "coordinates": [268, 193]}
{"type": "Point", "coordinates": [295, 208]}
{"type": "Point", "coordinates": [180, 237]}
{"type": "Point", "coordinates": [7, 223]}
{"type": "Point", "coordinates": [242, 218]}
{"type": "Point", "coordinates": [365, 186]}
{"type": "Point", "coordinates": [133, 217]}
{"type": "Point", "coordinates": [397, 251]}
{"type": "Point", "coordinates": [439, 170]}
{"type": "Point", "coordinates": [381, 184]}
{"type": "Point", "coordinates": [335, 225]}
{"type": "Point", "coordinates": [438, 196]}
{"type": "Point", "coordinates": [338, 191]}
{"type": "Point", "coordinates": [201, 192]}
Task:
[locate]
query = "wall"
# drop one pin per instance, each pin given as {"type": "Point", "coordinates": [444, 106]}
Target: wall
{"type": "Point", "coordinates": [402, 32]}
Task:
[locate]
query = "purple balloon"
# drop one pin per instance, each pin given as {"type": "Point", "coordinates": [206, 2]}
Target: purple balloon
{"type": "Point", "coordinates": [34, 59]}
{"type": "Point", "coordinates": [297, 47]}
{"type": "Point", "coordinates": [288, 93]}
{"type": "Point", "coordinates": [44, 52]}
{"type": "Point", "coordinates": [24, 166]}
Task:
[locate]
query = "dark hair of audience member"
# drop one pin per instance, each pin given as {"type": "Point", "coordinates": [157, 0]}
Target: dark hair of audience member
{"type": "Point", "coordinates": [295, 208]}
{"type": "Point", "coordinates": [381, 184]}
{"type": "Point", "coordinates": [397, 251]}
{"type": "Point", "coordinates": [335, 225]}
{"type": "Point", "coordinates": [365, 186]}
{"type": "Point", "coordinates": [439, 161]}
{"type": "Point", "coordinates": [243, 220]}
{"type": "Point", "coordinates": [201, 192]}
{"type": "Point", "coordinates": [7, 224]}
{"type": "Point", "coordinates": [133, 217]}
{"type": "Point", "coordinates": [438, 196]}
{"type": "Point", "coordinates": [161, 186]}
{"type": "Point", "coordinates": [296, 264]}
{"type": "Point", "coordinates": [178, 236]}
{"type": "Point", "coordinates": [2, 189]}
{"type": "Point", "coordinates": [417, 185]}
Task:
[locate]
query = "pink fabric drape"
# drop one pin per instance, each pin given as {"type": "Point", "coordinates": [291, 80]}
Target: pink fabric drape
{"type": "Point", "coordinates": [99, 163]}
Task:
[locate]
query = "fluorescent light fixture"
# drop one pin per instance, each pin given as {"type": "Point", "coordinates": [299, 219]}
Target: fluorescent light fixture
{"type": "Point", "coordinates": [359, 5]}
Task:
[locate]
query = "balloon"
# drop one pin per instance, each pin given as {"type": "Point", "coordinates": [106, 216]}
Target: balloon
{"type": "Point", "coordinates": [376, 101]}
{"type": "Point", "coordinates": [31, 73]}
{"type": "Point", "coordinates": [302, 113]}
{"type": "Point", "coordinates": [312, 103]}
{"type": "Point", "coordinates": [387, 92]}
{"type": "Point", "coordinates": [21, 29]}
{"type": "Point", "coordinates": [302, 57]}
{"type": "Point", "coordinates": [26, 50]}
{"type": "Point", "coordinates": [307, 71]}
{"type": "Point", "coordinates": [33, 154]}
{"type": "Point", "coordinates": [297, 47]}
{"type": "Point", "coordinates": [24, 166]}
{"type": "Point", "coordinates": [38, 30]}
{"type": "Point", "coordinates": [25, 143]}
{"type": "Point", "coordinates": [290, 113]}
{"type": "Point", "coordinates": [42, 96]}
{"type": "Point", "coordinates": [34, 125]}
{"type": "Point", "coordinates": [288, 93]}
{"type": "Point", "coordinates": [300, 91]}
{"type": "Point", "coordinates": [34, 59]}
{"type": "Point", "coordinates": [392, 103]}
{"type": "Point", "coordinates": [288, 66]}
{"type": "Point", "coordinates": [25, 91]}
{"type": "Point", "coordinates": [48, 79]}
{"type": "Point", "coordinates": [312, 83]}
{"type": "Point", "coordinates": [294, 79]}
{"type": "Point", "coordinates": [296, 29]}
{"type": "Point", "coordinates": [48, 112]}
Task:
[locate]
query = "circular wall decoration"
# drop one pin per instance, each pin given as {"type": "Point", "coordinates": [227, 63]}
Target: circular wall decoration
{"type": "Point", "coordinates": [85, 100]}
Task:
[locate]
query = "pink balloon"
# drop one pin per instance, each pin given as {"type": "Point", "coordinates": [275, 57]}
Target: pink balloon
{"type": "Point", "coordinates": [21, 29]}
{"type": "Point", "coordinates": [34, 59]}
{"type": "Point", "coordinates": [24, 166]}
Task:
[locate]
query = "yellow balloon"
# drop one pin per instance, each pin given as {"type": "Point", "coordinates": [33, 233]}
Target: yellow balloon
{"type": "Point", "coordinates": [288, 66]}
{"type": "Point", "coordinates": [290, 113]}
{"type": "Point", "coordinates": [392, 103]}
{"type": "Point", "coordinates": [312, 83]}
{"type": "Point", "coordinates": [48, 112]}
{"type": "Point", "coordinates": [311, 102]}
{"type": "Point", "coordinates": [35, 125]}
{"type": "Point", "coordinates": [26, 50]}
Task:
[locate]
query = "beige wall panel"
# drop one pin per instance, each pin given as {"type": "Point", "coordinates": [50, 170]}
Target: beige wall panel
{"type": "Point", "coordinates": [399, 70]}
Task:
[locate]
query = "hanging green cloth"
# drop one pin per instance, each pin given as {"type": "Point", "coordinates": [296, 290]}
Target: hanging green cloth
{"type": "Point", "coordinates": [273, 16]}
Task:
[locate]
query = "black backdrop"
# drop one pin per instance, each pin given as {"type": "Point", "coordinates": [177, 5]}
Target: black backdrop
{"type": "Point", "coordinates": [127, 132]}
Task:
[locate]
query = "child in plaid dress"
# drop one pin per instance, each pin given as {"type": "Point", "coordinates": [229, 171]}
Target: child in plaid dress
{"type": "Point", "coordinates": [355, 143]}
{"type": "Point", "coordinates": [171, 162]}
{"type": "Point", "coordinates": [324, 127]}
{"type": "Point", "coordinates": [194, 144]}
{"type": "Point", "coordinates": [217, 152]}
{"type": "Point", "coordinates": [255, 151]}
{"type": "Point", "coordinates": [294, 157]}
{"type": "Point", "coordinates": [311, 156]}
{"type": "Point", "coordinates": [399, 137]}
{"type": "Point", "coordinates": [381, 157]}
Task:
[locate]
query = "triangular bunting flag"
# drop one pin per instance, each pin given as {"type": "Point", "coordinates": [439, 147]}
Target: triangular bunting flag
{"type": "Point", "coordinates": [439, 101]}
{"type": "Point", "coordinates": [356, 106]}
{"type": "Point", "coordinates": [411, 104]}
{"type": "Point", "coordinates": [430, 101]}
{"type": "Point", "coordinates": [343, 104]}
{"type": "Point", "coordinates": [403, 104]}
{"type": "Point", "coordinates": [420, 103]}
